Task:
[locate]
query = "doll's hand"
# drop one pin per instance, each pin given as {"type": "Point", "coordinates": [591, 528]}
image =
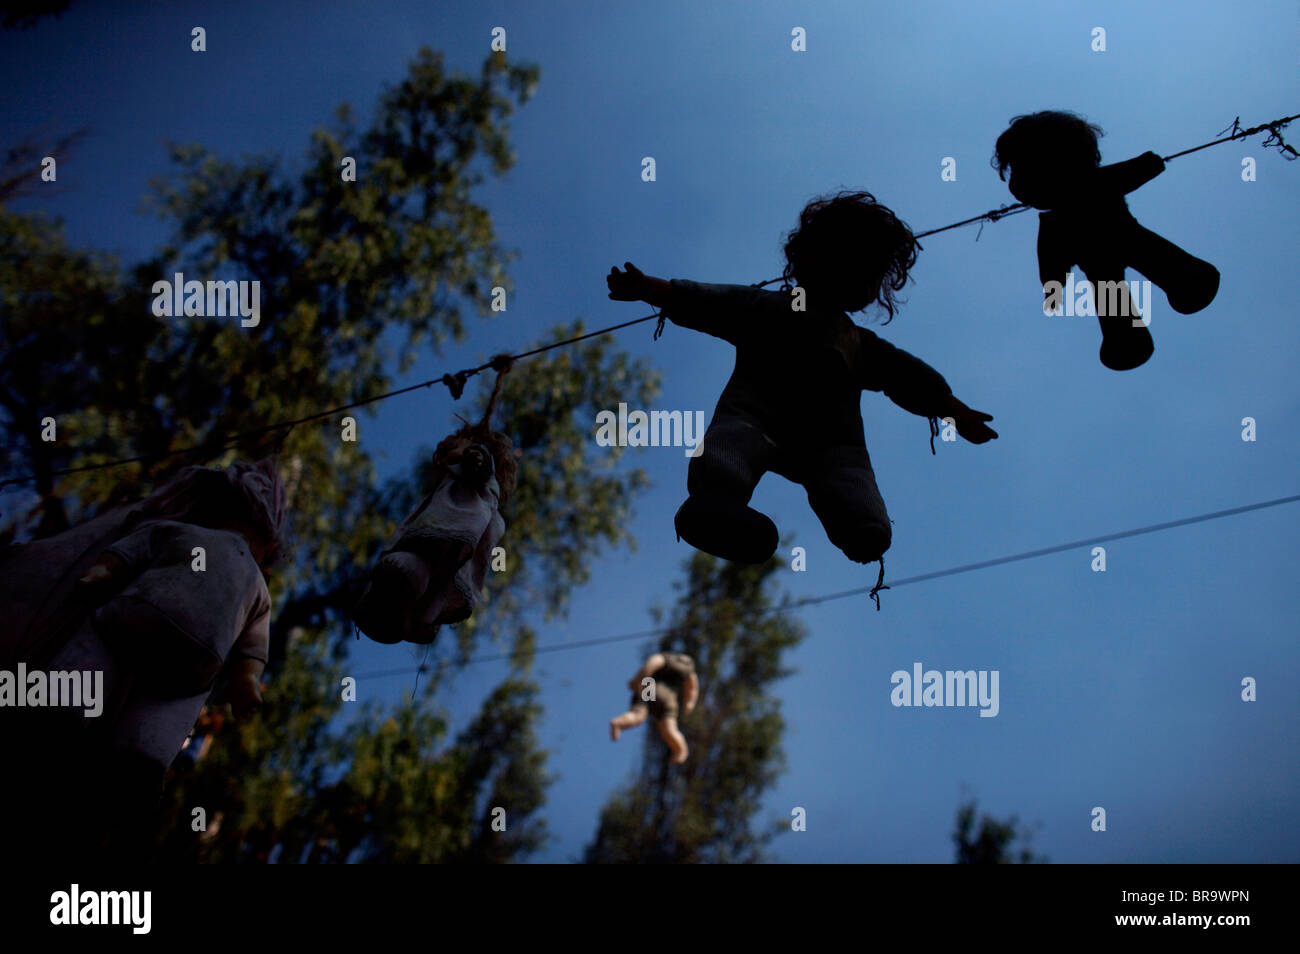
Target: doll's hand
{"type": "Point", "coordinates": [476, 463]}
{"type": "Point", "coordinates": [245, 695]}
{"type": "Point", "coordinates": [108, 566]}
{"type": "Point", "coordinates": [970, 424]}
{"type": "Point", "coordinates": [631, 285]}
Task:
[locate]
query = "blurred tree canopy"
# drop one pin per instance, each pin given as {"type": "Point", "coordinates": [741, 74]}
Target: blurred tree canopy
{"type": "Point", "coordinates": [22, 14]}
{"type": "Point", "coordinates": [994, 842]}
{"type": "Point", "coordinates": [356, 278]}
{"type": "Point", "coordinates": [703, 810]}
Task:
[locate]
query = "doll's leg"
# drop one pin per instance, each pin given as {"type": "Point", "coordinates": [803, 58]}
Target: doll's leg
{"type": "Point", "coordinates": [842, 492]}
{"type": "Point", "coordinates": [1125, 340]}
{"type": "Point", "coordinates": [399, 579]}
{"type": "Point", "coordinates": [673, 738]}
{"type": "Point", "coordinates": [716, 517]}
{"type": "Point", "coordinates": [1189, 282]}
{"type": "Point", "coordinates": [396, 582]}
{"type": "Point", "coordinates": [630, 719]}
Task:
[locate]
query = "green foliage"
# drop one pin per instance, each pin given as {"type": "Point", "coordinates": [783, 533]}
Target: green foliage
{"type": "Point", "coordinates": [65, 352]}
{"type": "Point", "coordinates": [703, 810]}
{"type": "Point", "coordinates": [994, 842]}
{"type": "Point", "coordinates": [355, 278]}
{"type": "Point", "coordinates": [387, 788]}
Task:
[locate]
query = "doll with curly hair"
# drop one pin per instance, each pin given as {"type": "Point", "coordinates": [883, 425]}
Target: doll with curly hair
{"type": "Point", "coordinates": [1056, 166]}
{"type": "Point", "coordinates": [792, 405]}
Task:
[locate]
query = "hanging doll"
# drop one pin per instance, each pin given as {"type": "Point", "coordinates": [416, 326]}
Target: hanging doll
{"type": "Point", "coordinates": [1056, 166]}
{"type": "Point", "coordinates": [434, 568]}
{"type": "Point", "coordinates": [673, 689]}
{"type": "Point", "coordinates": [792, 405]}
{"type": "Point", "coordinates": [160, 597]}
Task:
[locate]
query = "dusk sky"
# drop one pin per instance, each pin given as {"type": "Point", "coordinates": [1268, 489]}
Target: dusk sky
{"type": "Point", "coordinates": [1119, 689]}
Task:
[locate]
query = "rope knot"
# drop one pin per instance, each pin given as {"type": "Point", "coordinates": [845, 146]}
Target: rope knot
{"type": "Point", "coordinates": [456, 383]}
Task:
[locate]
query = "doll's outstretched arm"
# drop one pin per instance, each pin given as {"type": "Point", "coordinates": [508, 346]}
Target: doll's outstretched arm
{"type": "Point", "coordinates": [635, 285]}
{"type": "Point", "coordinates": [692, 693]}
{"type": "Point", "coordinates": [248, 663]}
{"type": "Point", "coordinates": [723, 311]}
{"type": "Point", "coordinates": [915, 386]}
{"type": "Point", "coordinates": [245, 687]}
{"type": "Point", "coordinates": [1124, 177]}
{"type": "Point", "coordinates": [970, 424]}
{"type": "Point", "coordinates": [904, 378]}
{"type": "Point", "coordinates": [124, 559]}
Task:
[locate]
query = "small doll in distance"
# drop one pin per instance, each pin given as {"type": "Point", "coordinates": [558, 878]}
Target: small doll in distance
{"type": "Point", "coordinates": [671, 689]}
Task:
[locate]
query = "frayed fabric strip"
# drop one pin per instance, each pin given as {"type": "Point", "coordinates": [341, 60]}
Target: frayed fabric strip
{"type": "Point", "coordinates": [880, 585]}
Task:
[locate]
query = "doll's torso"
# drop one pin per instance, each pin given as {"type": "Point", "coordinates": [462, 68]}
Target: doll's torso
{"type": "Point", "coordinates": [794, 377]}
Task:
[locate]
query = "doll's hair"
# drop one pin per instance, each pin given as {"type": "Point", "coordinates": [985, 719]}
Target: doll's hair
{"type": "Point", "coordinates": [251, 495]}
{"type": "Point", "coordinates": [1068, 134]}
{"type": "Point", "coordinates": [883, 246]}
{"type": "Point", "coordinates": [503, 454]}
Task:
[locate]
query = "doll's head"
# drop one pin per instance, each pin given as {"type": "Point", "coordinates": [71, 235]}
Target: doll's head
{"type": "Point", "coordinates": [248, 499]}
{"type": "Point", "coordinates": [462, 447]}
{"type": "Point", "coordinates": [1043, 151]}
{"type": "Point", "coordinates": [850, 251]}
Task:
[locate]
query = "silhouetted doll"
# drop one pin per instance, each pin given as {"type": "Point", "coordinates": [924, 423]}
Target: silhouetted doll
{"type": "Point", "coordinates": [1056, 166]}
{"type": "Point", "coordinates": [792, 405]}
{"type": "Point", "coordinates": [675, 689]}
{"type": "Point", "coordinates": [434, 568]}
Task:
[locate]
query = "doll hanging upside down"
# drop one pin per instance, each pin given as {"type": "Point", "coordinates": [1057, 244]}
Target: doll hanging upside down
{"type": "Point", "coordinates": [434, 569]}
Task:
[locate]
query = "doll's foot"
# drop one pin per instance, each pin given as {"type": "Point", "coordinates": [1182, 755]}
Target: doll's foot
{"type": "Point", "coordinates": [1195, 289]}
{"type": "Point", "coordinates": [1125, 348]}
{"type": "Point", "coordinates": [381, 611]}
{"type": "Point", "coordinates": [727, 529]}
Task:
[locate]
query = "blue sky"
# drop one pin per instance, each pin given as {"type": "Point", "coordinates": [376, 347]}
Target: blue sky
{"type": "Point", "coordinates": [1118, 689]}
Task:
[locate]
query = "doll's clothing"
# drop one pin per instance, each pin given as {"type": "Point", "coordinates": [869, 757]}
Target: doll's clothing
{"type": "Point", "coordinates": [1090, 225]}
{"type": "Point", "coordinates": [799, 375]}
{"type": "Point", "coordinates": [436, 564]}
{"type": "Point", "coordinates": [792, 406]}
{"type": "Point", "coordinates": [174, 626]}
{"type": "Point", "coordinates": [670, 684]}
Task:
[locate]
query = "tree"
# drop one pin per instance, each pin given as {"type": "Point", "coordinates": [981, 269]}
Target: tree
{"type": "Point", "coordinates": [994, 842]}
{"type": "Point", "coordinates": [703, 810]}
{"type": "Point", "coordinates": [21, 14]}
{"type": "Point", "coordinates": [385, 787]}
{"type": "Point", "coordinates": [356, 278]}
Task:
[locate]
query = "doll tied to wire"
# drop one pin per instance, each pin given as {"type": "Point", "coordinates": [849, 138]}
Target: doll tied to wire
{"type": "Point", "coordinates": [433, 571]}
{"type": "Point", "coordinates": [1055, 166]}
